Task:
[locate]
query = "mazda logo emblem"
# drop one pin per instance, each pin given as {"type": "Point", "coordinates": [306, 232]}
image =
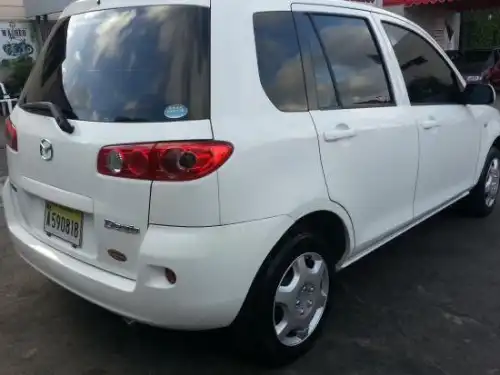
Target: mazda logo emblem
{"type": "Point", "coordinates": [46, 150]}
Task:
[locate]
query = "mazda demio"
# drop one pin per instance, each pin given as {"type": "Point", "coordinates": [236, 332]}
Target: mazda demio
{"type": "Point", "coordinates": [200, 164]}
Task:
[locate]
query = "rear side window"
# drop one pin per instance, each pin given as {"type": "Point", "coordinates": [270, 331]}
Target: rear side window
{"type": "Point", "coordinates": [355, 61]}
{"type": "Point", "coordinates": [137, 64]}
{"type": "Point", "coordinates": [279, 60]}
{"type": "Point", "coordinates": [319, 80]}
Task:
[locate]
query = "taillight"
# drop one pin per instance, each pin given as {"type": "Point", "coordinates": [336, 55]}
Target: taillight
{"type": "Point", "coordinates": [165, 161]}
{"type": "Point", "coordinates": [11, 134]}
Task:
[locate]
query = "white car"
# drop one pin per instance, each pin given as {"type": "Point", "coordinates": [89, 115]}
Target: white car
{"type": "Point", "coordinates": [198, 164]}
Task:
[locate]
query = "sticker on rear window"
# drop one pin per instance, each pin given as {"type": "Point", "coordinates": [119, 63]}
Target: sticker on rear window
{"type": "Point", "coordinates": [176, 111]}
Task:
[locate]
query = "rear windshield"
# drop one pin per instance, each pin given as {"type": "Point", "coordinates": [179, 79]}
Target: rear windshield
{"type": "Point", "coordinates": [142, 64]}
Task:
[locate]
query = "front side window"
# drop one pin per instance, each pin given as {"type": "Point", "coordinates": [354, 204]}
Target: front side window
{"type": "Point", "coordinates": [428, 78]}
{"type": "Point", "coordinates": [279, 60]}
{"type": "Point", "coordinates": [355, 60]}
{"type": "Point", "coordinates": [137, 64]}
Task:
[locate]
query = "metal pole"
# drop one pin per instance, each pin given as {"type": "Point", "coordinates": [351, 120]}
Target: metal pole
{"type": "Point", "coordinates": [461, 35]}
{"type": "Point", "coordinates": [45, 21]}
{"type": "Point", "coordinates": [38, 31]}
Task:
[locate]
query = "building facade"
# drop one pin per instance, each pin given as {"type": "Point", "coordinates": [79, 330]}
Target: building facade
{"type": "Point", "coordinates": [11, 10]}
{"type": "Point", "coordinates": [40, 8]}
{"type": "Point", "coordinates": [17, 35]}
{"type": "Point", "coordinates": [440, 20]}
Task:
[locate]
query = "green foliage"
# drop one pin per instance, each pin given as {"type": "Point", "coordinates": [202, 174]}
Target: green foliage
{"type": "Point", "coordinates": [20, 70]}
{"type": "Point", "coordinates": [481, 28]}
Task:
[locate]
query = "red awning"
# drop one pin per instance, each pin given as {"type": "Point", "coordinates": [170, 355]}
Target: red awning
{"type": "Point", "coordinates": [414, 2]}
{"type": "Point", "coordinates": [456, 4]}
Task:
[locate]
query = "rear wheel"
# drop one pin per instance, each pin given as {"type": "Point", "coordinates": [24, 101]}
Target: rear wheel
{"type": "Point", "coordinates": [482, 199]}
{"type": "Point", "coordinates": [290, 298]}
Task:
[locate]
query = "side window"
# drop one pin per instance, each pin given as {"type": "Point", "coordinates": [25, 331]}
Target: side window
{"type": "Point", "coordinates": [354, 60]}
{"type": "Point", "coordinates": [279, 60]}
{"type": "Point", "coordinates": [318, 74]}
{"type": "Point", "coordinates": [428, 78]}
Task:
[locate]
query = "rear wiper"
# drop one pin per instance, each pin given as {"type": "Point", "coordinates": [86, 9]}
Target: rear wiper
{"type": "Point", "coordinates": [56, 112]}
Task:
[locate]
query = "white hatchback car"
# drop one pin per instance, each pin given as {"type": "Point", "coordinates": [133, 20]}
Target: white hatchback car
{"type": "Point", "coordinates": [197, 164]}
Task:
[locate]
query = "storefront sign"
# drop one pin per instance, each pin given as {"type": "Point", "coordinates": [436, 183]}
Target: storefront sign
{"type": "Point", "coordinates": [16, 40]}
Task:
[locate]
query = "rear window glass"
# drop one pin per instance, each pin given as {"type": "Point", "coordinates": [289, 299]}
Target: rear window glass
{"type": "Point", "coordinates": [140, 64]}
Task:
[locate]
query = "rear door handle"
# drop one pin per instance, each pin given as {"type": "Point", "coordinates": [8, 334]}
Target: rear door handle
{"type": "Point", "coordinates": [430, 124]}
{"type": "Point", "coordinates": [340, 132]}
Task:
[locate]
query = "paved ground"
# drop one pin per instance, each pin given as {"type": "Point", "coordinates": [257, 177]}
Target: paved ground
{"type": "Point", "coordinates": [426, 304]}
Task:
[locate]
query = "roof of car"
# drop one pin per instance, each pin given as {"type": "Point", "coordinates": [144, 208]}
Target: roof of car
{"type": "Point", "coordinates": [349, 4]}
{"type": "Point", "coordinates": [83, 6]}
{"type": "Point", "coordinates": [80, 6]}
{"type": "Point", "coordinates": [336, 3]}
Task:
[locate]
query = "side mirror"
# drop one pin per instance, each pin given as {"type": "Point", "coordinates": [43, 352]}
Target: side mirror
{"type": "Point", "coordinates": [479, 94]}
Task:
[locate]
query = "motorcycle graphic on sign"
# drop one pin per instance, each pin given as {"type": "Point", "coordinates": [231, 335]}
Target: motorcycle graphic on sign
{"type": "Point", "coordinates": [18, 49]}
{"type": "Point", "coordinates": [16, 40]}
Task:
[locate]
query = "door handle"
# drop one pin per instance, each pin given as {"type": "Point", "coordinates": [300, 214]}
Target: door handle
{"type": "Point", "coordinates": [340, 132]}
{"type": "Point", "coordinates": [430, 124]}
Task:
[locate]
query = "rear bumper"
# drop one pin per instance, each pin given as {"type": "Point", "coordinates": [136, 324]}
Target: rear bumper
{"type": "Point", "coordinates": [215, 267]}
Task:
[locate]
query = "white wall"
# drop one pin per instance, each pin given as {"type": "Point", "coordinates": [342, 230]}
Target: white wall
{"type": "Point", "coordinates": [433, 19]}
{"type": "Point", "coordinates": [398, 9]}
{"type": "Point", "coordinates": [11, 9]}
{"type": "Point", "coordinates": [43, 7]}
{"type": "Point", "coordinates": [377, 3]}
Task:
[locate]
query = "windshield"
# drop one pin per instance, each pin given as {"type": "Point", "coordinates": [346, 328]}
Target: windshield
{"type": "Point", "coordinates": [142, 64]}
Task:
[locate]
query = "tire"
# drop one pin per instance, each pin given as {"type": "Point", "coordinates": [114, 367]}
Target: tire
{"type": "Point", "coordinates": [311, 286]}
{"type": "Point", "coordinates": [483, 198]}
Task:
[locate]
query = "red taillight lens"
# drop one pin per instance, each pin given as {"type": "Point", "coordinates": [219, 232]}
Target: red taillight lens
{"type": "Point", "coordinates": [11, 134]}
{"type": "Point", "coordinates": [166, 161]}
{"type": "Point", "coordinates": [185, 161]}
{"type": "Point", "coordinates": [125, 161]}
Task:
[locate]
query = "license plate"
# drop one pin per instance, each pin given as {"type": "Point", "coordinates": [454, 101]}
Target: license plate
{"type": "Point", "coordinates": [64, 223]}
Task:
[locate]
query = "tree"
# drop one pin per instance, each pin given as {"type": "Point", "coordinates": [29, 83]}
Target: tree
{"type": "Point", "coordinates": [482, 28]}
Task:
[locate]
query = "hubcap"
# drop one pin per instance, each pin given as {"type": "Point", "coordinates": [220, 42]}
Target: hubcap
{"type": "Point", "coordinates": [492, 183]}
{"type": "Point", "coordinates": [300, 299]}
